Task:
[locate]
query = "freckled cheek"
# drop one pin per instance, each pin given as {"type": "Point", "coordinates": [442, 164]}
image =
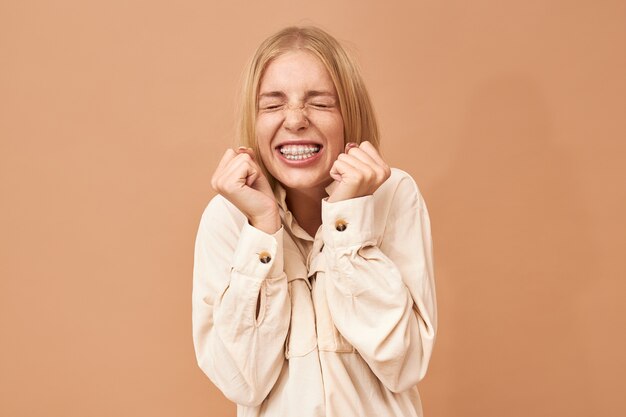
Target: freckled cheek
{"type": "Point", "coordinates": [264, 132]}
{"type": "Point", "coordinates": [266, 127]}
{"type": "Point", "coordinates": [332, 128]}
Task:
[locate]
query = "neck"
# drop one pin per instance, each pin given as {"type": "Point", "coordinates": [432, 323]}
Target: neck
{"type": "Point", "coordinates": [306, 207]}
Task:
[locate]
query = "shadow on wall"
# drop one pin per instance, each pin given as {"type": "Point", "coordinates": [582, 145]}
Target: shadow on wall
{"type": "Point", "coordinates": [516, 258]}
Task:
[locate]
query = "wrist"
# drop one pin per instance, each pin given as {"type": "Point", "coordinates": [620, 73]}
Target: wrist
{"type": "Point", "coordinates": [342, 196]}
{"type": "Point", "coordinates": [269, 223]}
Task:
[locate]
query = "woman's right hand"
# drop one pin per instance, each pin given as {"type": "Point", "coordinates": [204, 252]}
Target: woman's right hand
{"type": "Point", "coordinates": [240, 180]}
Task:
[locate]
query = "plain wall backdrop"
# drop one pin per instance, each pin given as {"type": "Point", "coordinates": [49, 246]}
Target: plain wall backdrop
{"type": "Point", "coordinates": [510, 115]}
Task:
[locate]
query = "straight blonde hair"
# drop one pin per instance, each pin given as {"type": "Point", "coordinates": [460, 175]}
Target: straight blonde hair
{"type": "Point", "coordinates": [354, 102]}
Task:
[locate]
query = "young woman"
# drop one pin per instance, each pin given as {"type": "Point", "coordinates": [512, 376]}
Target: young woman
{"type": "Point", "coordinates": [313, 279]}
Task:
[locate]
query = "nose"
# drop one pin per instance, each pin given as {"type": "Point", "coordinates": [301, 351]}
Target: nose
{"type": "Point", "coordinates": [295, 118]}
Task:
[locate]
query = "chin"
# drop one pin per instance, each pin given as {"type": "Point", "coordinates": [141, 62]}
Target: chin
{"type": "Point", "coordinates": [303, 182]}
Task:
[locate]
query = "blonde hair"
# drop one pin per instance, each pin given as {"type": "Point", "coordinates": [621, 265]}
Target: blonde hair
{"type": "Point", "coordinates": [354, 103]}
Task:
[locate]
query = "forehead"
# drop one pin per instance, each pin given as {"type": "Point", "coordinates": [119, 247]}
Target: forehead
{"type": "Point", "coordinates": [297, 70]}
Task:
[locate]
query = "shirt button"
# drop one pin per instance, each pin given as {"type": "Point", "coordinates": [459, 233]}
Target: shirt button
{"type": "Point", "coordinates": [264, 257]}
{"type": "Point", "coordinates": [341, 225]}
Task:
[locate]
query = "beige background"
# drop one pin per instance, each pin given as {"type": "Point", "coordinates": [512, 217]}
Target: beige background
{"type": "Point", "coordinates": [511, 116]}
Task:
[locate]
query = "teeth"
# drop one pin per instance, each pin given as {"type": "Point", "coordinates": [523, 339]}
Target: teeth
{"type": "Point", "coordinates": [297, 152]}
{"type": "Point", "coordinates": [298, 157]}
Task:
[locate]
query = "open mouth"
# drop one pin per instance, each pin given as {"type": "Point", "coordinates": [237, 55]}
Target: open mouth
{"type": "Point", "coordinates": [299, 152]}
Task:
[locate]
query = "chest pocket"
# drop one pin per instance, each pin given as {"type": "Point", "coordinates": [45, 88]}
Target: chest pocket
{"type": "Point", "coordinates": [328, 337]}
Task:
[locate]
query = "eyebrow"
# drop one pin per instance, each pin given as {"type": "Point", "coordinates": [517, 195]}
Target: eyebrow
{"type": "Point", "coordinates": [309, 94]}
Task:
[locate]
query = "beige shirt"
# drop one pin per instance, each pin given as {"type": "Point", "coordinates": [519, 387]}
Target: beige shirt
{"type": "Point", "coordinates": [346, 320]}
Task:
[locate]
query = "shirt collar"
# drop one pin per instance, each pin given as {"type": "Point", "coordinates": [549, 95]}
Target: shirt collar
{"type": "Point", "coordinates": [288, 219]}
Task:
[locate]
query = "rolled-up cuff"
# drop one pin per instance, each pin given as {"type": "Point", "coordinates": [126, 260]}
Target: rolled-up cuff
{"type": "Point", "coordinates": [349, 223]}
{"type": "Point", "coordinates": [259, 254]}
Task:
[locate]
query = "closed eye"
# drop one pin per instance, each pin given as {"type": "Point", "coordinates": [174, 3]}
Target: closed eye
{"type": "Point", "coordinates": [321, 105]}
{"type": "Point", "coordinates": [272, 107]}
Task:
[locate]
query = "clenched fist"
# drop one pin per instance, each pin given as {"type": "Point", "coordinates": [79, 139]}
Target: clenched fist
{"type": "Point", "coordinates": [358, 172]}
{"type": "Point", "coordinates": [240, 180]}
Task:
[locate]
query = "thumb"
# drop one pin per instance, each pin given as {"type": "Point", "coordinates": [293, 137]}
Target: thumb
{"type": "Point", "coordinates": [335, 173]}
{"type": "Point", "coordinates": [252, 177]}
{"type": "Point", "coordinates": [262, 184]}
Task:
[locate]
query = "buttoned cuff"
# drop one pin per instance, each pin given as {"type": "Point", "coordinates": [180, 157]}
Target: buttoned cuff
{"type": "Point", "coordinates": [349, 223]}
{"type": "Point", "coordinates": [259, 254]}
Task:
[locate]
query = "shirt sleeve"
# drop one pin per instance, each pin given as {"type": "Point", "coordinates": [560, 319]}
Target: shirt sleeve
{"type": "Point", "coordinates": [381, 290]}
{"type": "Point", "coordinates": [238, 270]}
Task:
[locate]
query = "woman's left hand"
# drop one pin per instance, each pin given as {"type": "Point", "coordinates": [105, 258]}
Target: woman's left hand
{"type": "Point", "coordinates": [358, 172]}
